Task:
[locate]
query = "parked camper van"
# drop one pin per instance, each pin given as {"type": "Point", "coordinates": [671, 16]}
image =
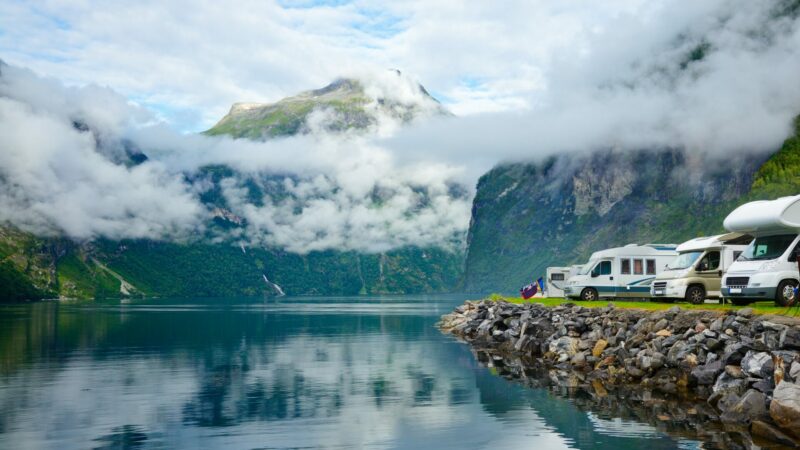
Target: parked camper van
{"type": "Point", "coordinates": [696, 273]}
{"type": "Point", "coordinates": [767, 269]}
{"type": "Point", "coordinates": [623, 272]}
{"type": "Point", "coordinates": [557, 279]}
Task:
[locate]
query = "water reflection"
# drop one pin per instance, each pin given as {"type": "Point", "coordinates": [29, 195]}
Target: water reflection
{"type": "Point", "coordinates": [330, 373]}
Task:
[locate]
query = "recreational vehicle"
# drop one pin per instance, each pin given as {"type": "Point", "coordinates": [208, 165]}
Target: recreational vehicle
{"type": "Point", "coordinates": [557, 278]}
{"type": "Point", "coordinates": [696, 273]}
{"type": "Point", "coordinates": [767, 269]}
{"type": "Point", "coordinates": [624, 272]}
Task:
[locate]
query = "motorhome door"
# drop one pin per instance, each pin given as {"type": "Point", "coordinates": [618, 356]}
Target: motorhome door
{"type": "Point", "coordinates": [709, 268]}
{"type": "Point", "coordinates": [603, 279]}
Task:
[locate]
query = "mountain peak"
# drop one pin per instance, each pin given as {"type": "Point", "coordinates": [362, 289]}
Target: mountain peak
{"type": "Point", "coordinates": [345, 104]}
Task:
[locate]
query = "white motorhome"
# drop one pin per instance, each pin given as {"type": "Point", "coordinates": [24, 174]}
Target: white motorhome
{"type": "Point", "coordinates": [557, 279]}
{"type": "Point", "coordinates": [767, 269]}
{"type": "Point", "coordinates": [624, 272]}
{"type": "Point", "coordinates": [696, 273]}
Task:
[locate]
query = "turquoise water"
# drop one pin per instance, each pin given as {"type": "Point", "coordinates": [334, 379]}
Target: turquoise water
{"type": "Point", "coordinates": [286, 373]}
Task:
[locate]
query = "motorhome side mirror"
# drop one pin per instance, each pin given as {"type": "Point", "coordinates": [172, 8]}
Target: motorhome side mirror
{"type": "Point", "coordinates": [797, 253]}
{"type": "Point", "coordinates": [702, 267]}
{"type": "Point", "coordinates": [595, 274]}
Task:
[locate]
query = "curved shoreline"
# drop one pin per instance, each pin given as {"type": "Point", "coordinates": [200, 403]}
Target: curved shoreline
{"type": "Point", "coordinates": [733, 372]}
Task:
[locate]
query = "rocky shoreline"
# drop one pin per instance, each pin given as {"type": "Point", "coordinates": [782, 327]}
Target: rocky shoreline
{"type": "Point", "coordinates": [732, 372]}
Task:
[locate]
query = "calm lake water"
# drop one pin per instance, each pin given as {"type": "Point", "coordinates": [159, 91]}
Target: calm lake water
{"type": "Point", "coordinates": [287, 373]}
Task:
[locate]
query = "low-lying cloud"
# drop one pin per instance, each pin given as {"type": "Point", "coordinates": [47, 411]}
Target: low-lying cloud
{"type": "Point", "coordinates": [66, 169]}
{"type": "Point", "coordinates": [716, 79]}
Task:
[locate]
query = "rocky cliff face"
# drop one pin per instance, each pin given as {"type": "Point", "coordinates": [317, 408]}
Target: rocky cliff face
{"type": "Point", "coordinates": [527, 217]}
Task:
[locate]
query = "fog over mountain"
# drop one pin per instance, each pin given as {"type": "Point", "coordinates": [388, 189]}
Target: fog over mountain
{"type": "Point", "coordinates": [715, 78]}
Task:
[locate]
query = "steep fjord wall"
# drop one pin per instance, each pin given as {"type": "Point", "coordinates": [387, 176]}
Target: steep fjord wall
{"type": "Point", "coordinates": [529, 216]}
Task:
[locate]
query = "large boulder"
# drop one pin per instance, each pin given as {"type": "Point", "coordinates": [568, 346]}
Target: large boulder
{"type": "Point", "coordinates": [790, 338]}
{"type": "Point", "coordinates": [565, 345]}
{"type": "Point", "coordinates": [758, 364]}
{"type": "Point", "coordinates": [706, 374]}
{"type": "Point", "coordinates": [751, 406]}
{"type": "Point", "coordinates": [766, 431]}
{"type": "Point", "coordinates": [785, 406]}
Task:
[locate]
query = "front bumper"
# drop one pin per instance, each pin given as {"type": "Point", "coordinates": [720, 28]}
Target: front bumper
{"type": "Point", "coordinates": [670, 291]}
{"type": "Point", "coordinates": [750, 292]}
{"type": "Point", "coordinates": [571, 292]}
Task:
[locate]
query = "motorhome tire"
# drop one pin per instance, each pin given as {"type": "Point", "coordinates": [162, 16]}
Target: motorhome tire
{"type": "Point", "coordinates": [696, 295]}
{"type": "Point", "coordinates": [741, 301]}
{"type": "Point", "coordinates": [589, 295]}
{"type": "Point", "coordinates": [784, 296]}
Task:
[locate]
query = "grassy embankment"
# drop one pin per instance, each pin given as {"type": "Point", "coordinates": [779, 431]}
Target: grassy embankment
{"type": "Point", "coordinates": [758, 308]}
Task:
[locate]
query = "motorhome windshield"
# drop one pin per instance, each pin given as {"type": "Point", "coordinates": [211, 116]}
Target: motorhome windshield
{"type": "Point", "coordinates": [588, 267]}
{"type": "Point", "coordinates": [684, 260]}
{"type": "Point", "coordinates": [767, 247]}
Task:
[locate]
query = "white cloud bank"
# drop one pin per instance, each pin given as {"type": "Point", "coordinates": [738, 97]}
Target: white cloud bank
{"type": "Point", "coordinates": [64, 169]}
{"type": "Point", "coordinates": [622, 79]}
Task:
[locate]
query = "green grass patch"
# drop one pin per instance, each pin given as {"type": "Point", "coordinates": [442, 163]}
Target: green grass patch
{"type": "Point", "coordinates": [758, 308]}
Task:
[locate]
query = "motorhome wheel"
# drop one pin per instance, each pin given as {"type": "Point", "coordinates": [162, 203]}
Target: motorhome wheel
{"type": "Point", "coordinates": [589, 295]}
{"type": "Point", "coordinates": [696, 295]}
{"type": "Point", "coordinates": [785, 295]}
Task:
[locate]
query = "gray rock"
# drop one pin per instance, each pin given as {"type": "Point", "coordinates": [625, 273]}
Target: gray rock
{"type": "Point", "coordinates": [758, 364]}
{"type": "Point", "coordinates": [564, 345]}
{"type": "Point", "coordinates": [716, 325]}
{"type": "Point", "coordinates": [725, 401]}
{"type": "Point", "coordinates": [785, 406]}
{"type": "Point", "coordinates": [706, 374]}
{"type": "Point", "coordinates": [772, 326]}
{"type": "Point", "coordinates": [790, 338]}
{"type": "Point", "coordinates": [734, 371]}
{"type": "Point", "coordinates": [729, 384]}
{"type": "Point", "coordinates": [745, 312]}
{"type": "Point", "coordinates": [651, 362]}
{"type": "Point", "coordinates": [766, 386]}
{"type": "Point", "coordinates": [794, 372]}
{"type": "Point", "coordinates": [713, 344]}
{"type": "Point", "coordinates": [734, 354]}
{"type": "Point", "coordinates": [751, 406]}
{"type": "Point", "coordinates": [766, 431]}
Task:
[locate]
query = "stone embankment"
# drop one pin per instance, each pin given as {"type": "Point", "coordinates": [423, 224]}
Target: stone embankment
{"type": "Point", "coordinates": [744, 367]}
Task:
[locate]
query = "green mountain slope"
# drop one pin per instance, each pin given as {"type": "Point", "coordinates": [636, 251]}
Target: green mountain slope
{"type": "Point", "coordinates": [49, 268]}
{"type": "Point", "coordinates": [32, 268]}
{"type": "Point", "coordinates": [527, 217]}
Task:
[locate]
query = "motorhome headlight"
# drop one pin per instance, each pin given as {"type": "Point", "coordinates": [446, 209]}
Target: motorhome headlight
{"type": "Point", "coordinates": [769, 265]}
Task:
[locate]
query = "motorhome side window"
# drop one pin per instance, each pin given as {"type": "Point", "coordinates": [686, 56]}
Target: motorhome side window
{"type": "Point", "coordinates": [709, 262]}
{"type": "Point", "coordinates": [603, 268]}
{"type": "Point", "coordinates": [625, 269]}
{"type": "Point", "coordinates": [651, 266]}
{"type": "Point", "coordinates": [557, 277]}
{"type": "Point", "coordinates": [638, 267]}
